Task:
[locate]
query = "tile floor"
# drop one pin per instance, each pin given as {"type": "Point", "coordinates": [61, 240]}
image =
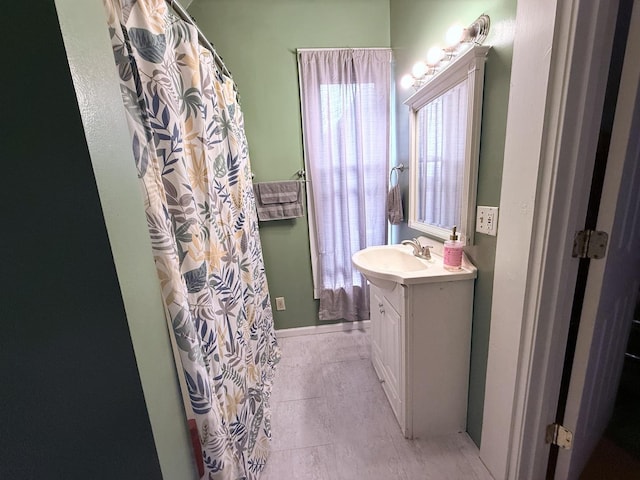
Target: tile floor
{"type": "Point", "coordinates": [331, 420]}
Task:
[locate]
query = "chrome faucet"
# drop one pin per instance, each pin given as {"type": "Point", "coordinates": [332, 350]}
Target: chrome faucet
{"type": "Point", "coordinates": [419, 250]}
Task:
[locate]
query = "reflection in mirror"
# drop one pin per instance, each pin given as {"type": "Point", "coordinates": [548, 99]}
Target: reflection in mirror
{"type": "Point", "coordinates": [446, 114]}
{"type": "Point", "coordinates": [440, 146]}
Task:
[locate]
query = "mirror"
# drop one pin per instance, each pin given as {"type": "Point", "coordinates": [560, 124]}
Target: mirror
{"type": "Point", "coordinates": [445, 119]}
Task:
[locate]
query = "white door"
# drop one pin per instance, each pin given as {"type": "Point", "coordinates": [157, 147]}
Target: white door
{"type": "Point", "coordinates": [613, 282]}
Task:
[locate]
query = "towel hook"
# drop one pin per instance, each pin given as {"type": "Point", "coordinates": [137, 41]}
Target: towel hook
{"type": "Point", "coordinates": [398, 168]}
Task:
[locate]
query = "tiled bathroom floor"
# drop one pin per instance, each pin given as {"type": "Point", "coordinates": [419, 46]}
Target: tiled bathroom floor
{"type": "Point", "coordinates": [331, 420]}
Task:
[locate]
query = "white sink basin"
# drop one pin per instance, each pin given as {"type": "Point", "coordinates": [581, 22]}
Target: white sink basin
{"type": "Point", "coordinates": [388, 264]}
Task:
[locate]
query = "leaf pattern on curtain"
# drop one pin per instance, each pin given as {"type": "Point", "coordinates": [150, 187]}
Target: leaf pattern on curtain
{"type": "Point", "coordinates": [191, 154]}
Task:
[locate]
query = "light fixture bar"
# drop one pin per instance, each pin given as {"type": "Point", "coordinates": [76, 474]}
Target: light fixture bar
{"type": "Point", "coordinates": [476, 34]}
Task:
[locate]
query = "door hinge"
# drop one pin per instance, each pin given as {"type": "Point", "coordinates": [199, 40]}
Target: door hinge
{"type": "Point", "coordinates": [559, 435]}
{"type": "Point", "coordinates": [590, 244]}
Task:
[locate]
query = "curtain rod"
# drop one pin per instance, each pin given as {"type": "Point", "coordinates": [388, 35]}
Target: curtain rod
{"type": "Point", "coordinates": [340, 48]}
{"type": "Point", "coordinates": [184, 15]}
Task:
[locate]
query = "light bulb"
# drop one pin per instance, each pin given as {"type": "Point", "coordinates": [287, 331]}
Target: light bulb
{"type": "Point", "coordinates": [454, 35]}
{"type": "Point", "coordinates": [419, 69]}
{"type": "Point", "coordinates": [434, 55]}
{"type": "Point", "coordinates": [407, 81]}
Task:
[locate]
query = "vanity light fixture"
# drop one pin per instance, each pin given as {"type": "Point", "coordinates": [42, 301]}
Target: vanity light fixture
{"type": "Point", "coordinates": [477, 32]}
{"type": "Point", "coordinates": [407, 81]}
{"type": "Point", "coordinates": [434, 56]}
{"type": "Point", "coordinates": [454, 36]}
{"type": "Point", "coordinates": [419, 69]}
{"type": "Point", "coordinates": [457, 40]}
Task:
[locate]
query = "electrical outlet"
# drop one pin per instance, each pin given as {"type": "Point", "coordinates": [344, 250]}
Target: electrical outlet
{"type": "Point", "coordinates": [487, 220]}
{"type": "Point", "coordinates": [280, 303]}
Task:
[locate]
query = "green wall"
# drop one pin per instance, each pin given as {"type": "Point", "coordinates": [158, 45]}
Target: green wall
{"type": "Point", "coordinates": [257, 40]}
{"type": "Point", "coordinates": [416, 25]}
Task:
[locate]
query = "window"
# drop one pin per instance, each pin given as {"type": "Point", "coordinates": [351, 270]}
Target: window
{"type": "Point", "coordinates": [345, 95]}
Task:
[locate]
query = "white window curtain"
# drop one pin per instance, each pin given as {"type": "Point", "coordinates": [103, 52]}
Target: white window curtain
{"type": "Point", "coordinates": [345, 96]}
{"type": "Point", "coordinates": [441, 149]}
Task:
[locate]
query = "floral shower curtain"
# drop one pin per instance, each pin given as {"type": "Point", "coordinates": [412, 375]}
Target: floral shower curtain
{"type": "Point", "coordinates": [192, 158]}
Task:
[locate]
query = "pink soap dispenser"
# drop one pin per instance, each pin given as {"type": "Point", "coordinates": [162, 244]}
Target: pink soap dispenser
{"type": "Point", "coordinates": [453, 252]}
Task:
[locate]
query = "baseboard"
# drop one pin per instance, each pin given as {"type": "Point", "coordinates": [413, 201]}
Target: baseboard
{"type": "Point", "coordinates": [317, 329]}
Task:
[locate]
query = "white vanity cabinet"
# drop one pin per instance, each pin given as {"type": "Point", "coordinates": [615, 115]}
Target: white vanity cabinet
{"type": "Point", "coordinates": [420, 341]}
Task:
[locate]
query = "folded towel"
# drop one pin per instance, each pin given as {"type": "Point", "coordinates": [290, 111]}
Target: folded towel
{"type": "Point", "coordinates": [394, 205]}
{"type": "Point", "coordinates": [278, 200]}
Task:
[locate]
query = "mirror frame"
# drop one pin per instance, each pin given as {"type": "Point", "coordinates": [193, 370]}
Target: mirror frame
{"type": "Point", "coordinates": [469, 65]}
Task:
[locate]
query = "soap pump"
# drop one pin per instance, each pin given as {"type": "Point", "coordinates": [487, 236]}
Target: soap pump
{"type": "Point", "coordinates": [452, 259]}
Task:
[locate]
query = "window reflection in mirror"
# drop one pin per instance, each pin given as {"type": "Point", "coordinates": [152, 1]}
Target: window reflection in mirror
{"type": "Point", "coordinates": [440, 143]}
{"type": "Point", "coordinates": [445, 143]}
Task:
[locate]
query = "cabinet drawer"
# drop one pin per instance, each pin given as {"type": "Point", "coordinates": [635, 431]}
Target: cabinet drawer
{"type": "Point", "coordinates": [395, 297]}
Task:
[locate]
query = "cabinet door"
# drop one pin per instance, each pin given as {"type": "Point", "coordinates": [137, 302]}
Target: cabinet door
{"type": "Point", "coordinates": [377, 312]}
{"type": "Point", "coordinates": [392, 355]}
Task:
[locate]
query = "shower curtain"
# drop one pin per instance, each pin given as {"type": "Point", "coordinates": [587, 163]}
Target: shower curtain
{"type": "Point", "coordinates": [192, 158]}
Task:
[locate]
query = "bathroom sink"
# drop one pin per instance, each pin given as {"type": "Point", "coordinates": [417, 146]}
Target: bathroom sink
{"type": "Point", "coordinates": [386, 265]}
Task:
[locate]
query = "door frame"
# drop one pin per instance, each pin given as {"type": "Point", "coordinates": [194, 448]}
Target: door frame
{"type": "Point", "coordinates": [552, 129]}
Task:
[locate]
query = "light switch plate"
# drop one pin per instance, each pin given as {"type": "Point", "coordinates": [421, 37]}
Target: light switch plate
{"type": "Point", "coordinates": [487, 220]}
